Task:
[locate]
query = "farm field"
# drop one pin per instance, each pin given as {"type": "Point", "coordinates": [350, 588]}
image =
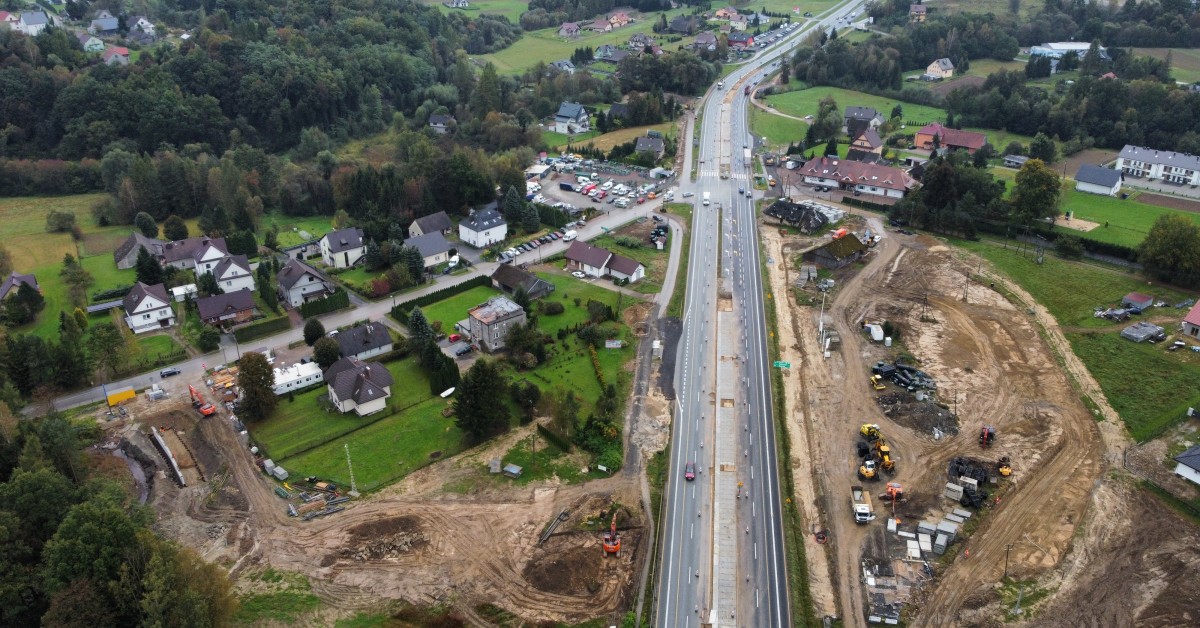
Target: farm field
{"type": "Point", "coordinates": [997, 7]}
{"type": "Point", "coordinates": [511, 9]}
{"type": "Point", "coordinates": [1185, 62]}
{"type": "Point", "coordinates": [607, 141]}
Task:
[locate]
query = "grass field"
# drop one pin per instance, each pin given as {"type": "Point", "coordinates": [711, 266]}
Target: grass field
{"type": "Point", "coordinates": [453, 309]}
{"type": "Point", "coordinates": [675, 306]}
{"type": "Point", "coordinates": [778, 130]}
{"type": "Point", "coordinates": [607, 141]}
{"type": "Point", "coordinates": [511, 9]}
{"type": "Point", "coordinates": [554, 139]}
{"type": "Point", "coordinates": [653, 259]}
{"type": "Point", "coordinates": [25, 237]}
{"type": "Point", "coordinates": [997, 7]}
{"type": "Point", "coordinates": [1185, 62]}
{"type": "Point", "coordinates": [291, 226]}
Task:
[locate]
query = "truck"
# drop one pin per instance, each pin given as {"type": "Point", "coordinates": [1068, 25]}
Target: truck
{"type": "Point", "coordinates": [860, 502]}
{"type": "Point", "coordinates": [706, 198]}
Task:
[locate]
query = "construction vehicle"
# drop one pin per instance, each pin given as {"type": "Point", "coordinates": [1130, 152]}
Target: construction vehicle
{"type": "Point", "coordinates": [877, 382]}
{"type": "Point", "coordinates": [1004, 466]}
{"type": "Point", "coordinates": [612, 540]}
{"type": "Point", "coordinates": [860, 502]}
{"type": "Point", "coordinates": [894, 492]}
{"type": "Point", "coordinates": [869, 431]}
{"type": "Point", "coordinates": [883, 456]}
{"type": "Point", "coordinates": [986, 436]}
{"type": "Point", "coordinates": [205, 409]}
{"type": "Point", "coordinates": [867, 470]}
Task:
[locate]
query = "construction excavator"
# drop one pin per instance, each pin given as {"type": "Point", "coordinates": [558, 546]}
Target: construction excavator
{"type": "Point", "coordinates": [883, 454]}
{"type": "Point", "coordinates": [986, 436]}
{"type": "Point", "coordinates": [1004, 466]}
{"type": "Point", "coordinates": [893, 492]}
{"type": "Point", "coordinates": [877, 382]}
{"type": "Point", "coordinates": [205, 409]}
{"type": "Point", "coordinates": [612, 540]}
{"type": "Point", "coordinates": [869, 431]}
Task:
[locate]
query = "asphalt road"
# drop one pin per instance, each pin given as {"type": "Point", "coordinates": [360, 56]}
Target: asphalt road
{"type": "Point", "coordinates": [724, 239]}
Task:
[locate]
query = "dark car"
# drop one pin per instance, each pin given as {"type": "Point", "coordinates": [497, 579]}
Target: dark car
{"type": "Point", "coordinates": [464, 351]}
{"type": "Point", "coordinates": [689, 471]}
{"type": "Point", "coordinates": [169, 371]}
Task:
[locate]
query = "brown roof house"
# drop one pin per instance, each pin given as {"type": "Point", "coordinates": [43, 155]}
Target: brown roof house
{"type": "Point", "coordinates": [590, 260]}
{"type": "Point", "coordinates": [190, 252]}
{"type": "Point", "coordinates": [509, 278]}
{"type": "Point", "coordinates": [838, 253]}
{"type": "Point", "coordinates": [949, 138]}
{"type": "Point", "coordinates": [300, 283]}
{"type": "Point", "coordinates": [357, 386]}
{"type": "Point", "coordinates": [230, 308]}
{"type": "Point", "coordinates": [490, 322]}
{"type": "Point", "coordinates": [623, 267]}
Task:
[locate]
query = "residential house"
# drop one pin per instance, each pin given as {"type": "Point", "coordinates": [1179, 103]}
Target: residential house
{"type": "Point", "coordinates": [90, 42]}
{"type": "Point", "coordinates": [297, 377]}
{"type": "Point", "coordinates": [483, 228]}
{"type": "Point", "coordinates": [857, 176]}
{"type": "Point", "coordinates": [858, 119]}
{"type": "Point", "coordinates": [490, 322]}
{"type": "Point", "coordinates": [126, 254]}
{"type": "Point", "coordinates": [618, 55]}
{"type": "Point", "coordinates": [207, 256]}
{"type": "Point", "coordinates": [724, 13]}
{"type": "Point", "coordinates": [115, 55]}
{"type": "Point", "coordinates": [868, 141]}
{"type": "Point", "coordinates": [563, 65]}
{"type": "Point", "coordinates": [230, 308]}
{"type": "Point", "coordinates": [940, 69]}
{"type": "Point", "coordinates": [185, 253]}
{"type": "Point", "coordinates": [357, 386]}
{"type": "Point", "coordinates": [1191, 322]}
{"type": "Point", "coordinates": [364, 341]}
{"type": "Point", "coordinates": [838, 253]}
{"type": "Point", "coordinates": [1161, 165]}
{"type": "Point", "coordinates": [434, 248]}
{"type": "Point", "coordinates": [1189, 464]}
{"type": "Point", "coordinates": [604, 53]}
{"type": "Point", "coordinates": [738, 23]}
{"type": "Point", "coordinates": [618, 111]}
{"type": "Point", "coordinates": [568, 29]}
{"type": "Point", "coordinates": [9, 20]}
{"type": "Point", "coordinates": [457, 4]}
{"type": "Point", "coordinates": [508, 278]}
{"type": "Point", "coordinates": [441, 123]}
{"type": "Point", "coordinates": [954, 139]}
{"type": "Point", "coordinates": [600, 25]}
{"type": "Point", "coordinates": [1015, 161]}
{"type": "Point", "coordinates": [102, 14]}
{"type": "Point", "coordinates": [433, 223]}
{"type": "Point", "coordinates": [143, 24]}
{"type": "Point", "coordinates": [343, 248]}
{"type": "Point", "coordinates": [181, 293]}
{"type": "Point", "coordinates": [683, 25]}
{"type": "Point", "coordinates": [619, 19]}
{"type": "Point", "coordinates": [705, 41]}
{"type": "Point", "coordinates": [916, 13]}
{"type": "Point", "coordinates": [148, 308]}
{"type": "Point", "coordinates": [623, 267]}
{"type": "Point", "coordinates": [232, 273]}
{"type": "Point", "coordinates": [590, 260]}
{"type": "Point", "coordinates": [639, 41]}
{"type": "Point", "coordinates": [741, 41]}
{"type": "Point", "coordinates": [300, 283]}
{"type": "Point", "coordinates": [1098, 180]}
{"type": "Point", "coordinates": [651, 146]}
{"type": "Point", "coordinates": [13, 282]}
{"type": "Point", "coordinates": [1058, 50]}
{"type": "Point", "coordinates": [724, 29]}
{"type": "Point", "coordinates": [571, 118]}
{"type": "Point", "coordinates": [32, 23]}
{"type": "Point", "coordinates": [104, 27]}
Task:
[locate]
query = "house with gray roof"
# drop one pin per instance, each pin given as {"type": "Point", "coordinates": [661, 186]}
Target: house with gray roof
{"type": "Point", "coordinates": [563, 65]}
{"type": "Point", "coordinates": [148, 308]}
{"type": "Point", "coordinates": [13, 282]}
{"type": "Point", "coordinates": [858, 119]}
{"type": "Point", "coordinates": [489, 323]}
{"type": "Point", "coordinates": [190, 252]}
{"type": "Point", "coordinates": [571, 118]}
{"type": "Point", "coordinates": [343, 248]}
{"type": "Point", "coordinates": [439, 222]}
{"type": "Point", "coordinates": [364, 341]}
{"type": "Point", "coordinates": [104, 27]}
{"type": "Point", "coordinates": [483, 228]}
{"type": "Point", "coordinates": [32, 23]}
{"type": "Point", "coordinates": [126, 254]}
{"type": "Point", "coordinates": [650, 145]}
{"type": "Point", "coordinates": [1098, 180]}
{"type": "Point", "coordinates": [226, 309]}
{"type": "Point", "coordinates": [441, 123]}
{"type": "Point", "coordinates": [300, 283]}
{"type": "Point", "coordinates": [359, 387]}
{"type": "Point", "coordinates": [434, 248]}
{"type": "Point", "coordinates": [1159, 165]}
{"type": "Point", "coordinates": [232, 273]}
{"type": "Point", "coordinates": [1188, 464]}
{"type": "Point", "coordinates": [90, 42]}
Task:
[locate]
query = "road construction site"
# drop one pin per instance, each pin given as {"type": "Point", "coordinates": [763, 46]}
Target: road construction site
{"type": "Point", "coordinates": [989, 363]}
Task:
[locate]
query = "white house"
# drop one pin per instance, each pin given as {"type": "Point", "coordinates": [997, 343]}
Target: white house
{"type": "Point", "coordinates": [300, 283]}
{"type": "Point", "coordinates": [571, 118]}
{"type": "Point", "coordinates": [861, 177]}
{"type": "Point", "coordinates": [181, 293]}
{"type": "Point", "coordinates": [563, 65]}
{"type": "Point", "coordinates": [483, 228]}
{"type": "Point", "coordinates": [232, 273]}
{"type": "Point", "coordinates": [148, 308]}
{"type": "Point", "coordinates": [1191, 322]}
{"type": "Point", "coordinates": [32, 23]}
{"type": "Point", "coordinates": [439, 222]}
{"type": "Point", "coordinates": [1189, 464]}
{"type": "Point", "coordinates": [1163, 165]}
{"type": "Point", "coordinates": [297, 377]}
{"type": "Point", "coordinates": [361, 387]}
{"type": "Point", "coordinates": [185, 253]}
{"type": "Point", "coordinates": [364, 341]}
{"type": "Point", "coordinates": [1098, 180]}
{"type": "Point", "coordinates": [434, 248]}
{"type": "Point", "coordinates": [343, 248]}
{"type": "Point", "coordinates": [590, 260]}
{"type": "Point", "coordinates": [142, 23]}
{"type": "Point", "coordinates": [623, 267]}
{"type": "Point", "coordinates": [940, 68]}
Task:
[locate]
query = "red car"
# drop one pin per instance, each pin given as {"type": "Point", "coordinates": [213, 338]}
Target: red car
{"type": "Point", "coordinates": [689, 471]}
{"type": "Point", "coordinates": [455, 337]}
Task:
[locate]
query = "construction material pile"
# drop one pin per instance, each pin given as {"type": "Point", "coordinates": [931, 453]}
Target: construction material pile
{"type": "Point", "coordinates": [924, 415]}
{"type": "Point", "coordinates": [390, 546]}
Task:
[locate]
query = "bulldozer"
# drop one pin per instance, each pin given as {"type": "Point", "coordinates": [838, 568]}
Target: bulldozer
{"type": "Point", "coordinates": [877, 382]}
{"type": "Point", "coordinates": [883, 454]}
{"type": "Point", "coordinates": [986, 436]}
{"type": "Point", "coordinates": [867, 470]}
{"type": "Point", "coordinates": [869, 431]}
{"type": "Point", "coordinates": [612, 540]}
{"type": "Point", "coordinates": [1004, 466]}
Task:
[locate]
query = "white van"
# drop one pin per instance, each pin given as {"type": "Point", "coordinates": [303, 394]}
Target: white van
{"type": "Point", "coordinates": [706, 202]}
{"type": "Point", "coordinates": [570, 235]}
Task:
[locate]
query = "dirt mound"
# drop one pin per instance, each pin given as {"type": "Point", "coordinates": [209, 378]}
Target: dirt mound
{"type": "Point", "coordinates": [388, 546]}
{"type": "Point", "coordinates": [373, 530]}
{"type": "Point", "coordinates": [922, 416]}
{"type": "Point", "coordinates": [573, 571]}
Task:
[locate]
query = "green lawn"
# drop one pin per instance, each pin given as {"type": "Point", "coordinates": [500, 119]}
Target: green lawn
{"type": "Point", "coordinates": [158, 345]}
{"type": "Point", "coordinates": [512, 9]}
{"type": "Point", "coordinates": [453, 309]}
{"type": "Point", "coordinates": [25, 237]}
{"type": "Point", "coordinates": [291, 226]}
{"type": "Point", "coordinates": [567, 289]}
{"type": "Point", "coordinates": [779, 130]}
{"type": "Point", "coordinates": [684, 211]}
{"type": "Point", "coordinates": [653, 259]}
{"type": "Point", "coordinates": [555, 140]}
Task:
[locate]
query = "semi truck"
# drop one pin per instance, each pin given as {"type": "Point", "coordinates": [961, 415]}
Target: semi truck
{"type": "Point", "coordinates": [706, 198]}
{"type": "Point", "coordinates": [860, 502]}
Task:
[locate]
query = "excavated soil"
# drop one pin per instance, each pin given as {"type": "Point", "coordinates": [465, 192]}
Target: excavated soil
{"type": "Point", "coordinates": [922, 416]}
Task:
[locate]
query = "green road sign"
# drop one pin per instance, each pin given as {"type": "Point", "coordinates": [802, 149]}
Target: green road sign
{"type": "Point", "coordinates": [783, 365]}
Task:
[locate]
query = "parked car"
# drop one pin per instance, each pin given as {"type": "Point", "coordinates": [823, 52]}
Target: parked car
{"type": "Point", "coordinates": [578, 275]}
{"type": "Point", "coordinates": [688, 194]}
{"type": "Point", "coordinates": [169, 371]}
{"type": "Point", "coordinates": [464, 351]}
{"type": "Point", "coordinates": [455, 337]}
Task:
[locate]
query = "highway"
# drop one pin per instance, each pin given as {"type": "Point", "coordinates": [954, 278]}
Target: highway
{"type": "Point", "coordinates": [734, 502]}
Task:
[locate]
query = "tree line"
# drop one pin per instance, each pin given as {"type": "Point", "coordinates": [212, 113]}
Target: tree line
{"type": "Point", "coordinates": [547, 13]}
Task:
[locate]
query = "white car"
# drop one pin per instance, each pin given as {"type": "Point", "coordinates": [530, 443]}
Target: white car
{"type": "Point", "coordinates": [688, 194]}
{"type": "Point", "coordinates": [578, 275]}
{"type": "Point", "coordinates": [607, 185]}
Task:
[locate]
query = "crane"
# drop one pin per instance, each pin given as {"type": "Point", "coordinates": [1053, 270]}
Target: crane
{"type": "Point", "coordinates": [612, 540]}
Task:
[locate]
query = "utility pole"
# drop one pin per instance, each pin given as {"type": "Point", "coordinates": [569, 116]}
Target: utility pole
{"type": "Point", "coordinates": [1007, 548]}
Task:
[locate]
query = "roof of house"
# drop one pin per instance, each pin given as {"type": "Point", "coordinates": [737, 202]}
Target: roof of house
{"type": "Point", "coordinates": [294, 270]}
{"type": "Point", "coordinates": [84, 37]}
{"type": "Point", "coordinates": [483, 220]}
{"type": "Point", "coordinates": [434, 222]}
{"type": "Point", "coordinates": [588, 255]}
{"type": "Point", "coordinates": [563, 64]}
{"type": "Point", "coordinates": [1017, 159]}
{"type": "Point", "coordinates": [6, 16]}
{"type": "Point", "coordinates": [361, 382]}
{"type": "Point", "coordinates": [230, 261]}
{"type": "Point", "coordinates": [740, 38]}
{"type": "Point", "coordinates": [218, 304]}
{"type": "Point", "coordinates": [1193, 315]}
{"type": "Point", "coordinates": [1164, 157]}
{"type": "Point", "coordinates": [569, 111]}
{"type": "Point", "coordinates": [34, 18]}
{"type": "Point", "coordinates": [1137, 297]}
{"type": "Point", "coordinates": [955, 137]}
{"type": "Point", "coordinates": [1097, 175]}
{"type": "Point", "coordinates": [916, 8]}
{"type": "Point", "coordinates": [115, 51]}
{"type": "Point", "coordinates": [858, 173]}
{"type": "Point", "coordinates": [623, 265]}
{"type": "Point", "coordinates": [601, 24]}
{"type": "Point", "coordinates": [861, 113]}
{"type": "Point", "coordinates": [1190, 457]}
{"type": "Point", "coordinates": [441, 119]}
{"type": "Point", "coordinates": [136, 239]}
{"type": "Point", "coordinates": [619, 110]}
{"type": "Point", "coordinates": [512, 278]}
{"type": "Point", "coordinates": [706, 39]}
{"type": "Point", "coordinates": [569, 27]}
{"type": "Point", "coordinates": [133, 299]}
{"type": "Point", "coordinates": [944, 64]}
{"type": "Point", "coordinates": [186, 249]}
{"type": "Point", "coordinates": [843, 247]}
{"type": "Point", "coordinates": [865, 156]}
{"type": "Point", "coordinates": [105, 24]}
{"type": "Point", "coordinates": [14, 280]}
{"type": "Point", "coordinates": [649, 144]}
{"type": "Point", "coordinates": [496, 309]}
{"type": "Point", "coordinates": [869, 137]}
{"type": "Point", "coordinates": [344, 239]}
{"type": "Point", "coordinates": [363, 338]}
{"type": "Point", "coordinates": [429, 244]}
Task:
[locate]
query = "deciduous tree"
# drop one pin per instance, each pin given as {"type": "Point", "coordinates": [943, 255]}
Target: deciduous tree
{"type": "Point", "coordinates": [476, 406]}
{"type": "Point", "coordinates": [313, 331]}
{"type": "Point", "coordinates": [1171, 250]}
{"type": "Point", "coordinates": [1036, 194]}
{"type": "Point", "coordinates": [257, 382]}
{"type": "Point", "coordinates": [175, 228]}
{"type": "Point", "coordinates": [326, 351]}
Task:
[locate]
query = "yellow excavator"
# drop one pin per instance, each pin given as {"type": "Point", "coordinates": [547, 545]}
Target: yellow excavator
{"type": "Point", "coordinates": [867, 470]}
{"type": "Point", "coordinates": [883, 454]}
{"type": "Point", "coordinates": [877, 382]}
{"type": "Point", "coordinates": [1004, 466]}
{"type": "Point", "coordinates": [869, 431]}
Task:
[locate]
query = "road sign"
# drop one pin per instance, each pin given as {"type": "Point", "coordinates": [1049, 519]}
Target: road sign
{"type": "Point", "coordinates": [783, 365]}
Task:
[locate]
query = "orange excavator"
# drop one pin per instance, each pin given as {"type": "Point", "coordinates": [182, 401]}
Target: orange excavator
{"type": "Point", "coordinates": [205, 409]}
{"type": "Point", "coordinates": [612, 540]}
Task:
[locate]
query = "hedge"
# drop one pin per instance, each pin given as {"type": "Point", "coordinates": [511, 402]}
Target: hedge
{"type": "Point", "coordinates": [1094, 247]}
{"type": "Point", "coordinates": [109, 295]}
{"type": "Point", "coordinates": [558, 441]}
{"type": "Point", "coordinates": [336, 301]}
{"type": "Point", "coordinates": [262, 328]}
{"type": "Point", "coordinates": [401, 311]}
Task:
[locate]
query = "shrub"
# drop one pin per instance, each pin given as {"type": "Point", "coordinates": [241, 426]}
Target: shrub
{"type": "Point", "coordinates": [262, 328]}
{"type": "Point", "coordinates": [336, 301]}
{"type": "Point", "coordinates": [552, 308]}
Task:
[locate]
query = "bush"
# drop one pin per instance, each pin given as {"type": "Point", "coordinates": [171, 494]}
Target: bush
{"type": "Point", "coordinates": [111, 294]}
{"type": "Point", "coordinates": [336, 301]}
{"type": "Point", "coordinates": [262, 328]}
{"type": "Point", "coordinates": [209, 339]}
{"type": "Point", "coordinates": [551, 308]}
{"type": "Point", "coordinates": [628, 242]}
